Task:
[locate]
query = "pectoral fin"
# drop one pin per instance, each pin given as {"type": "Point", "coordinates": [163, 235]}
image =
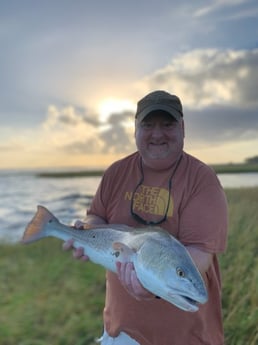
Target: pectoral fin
{"type": "Point", "coordinates": [122, 252]}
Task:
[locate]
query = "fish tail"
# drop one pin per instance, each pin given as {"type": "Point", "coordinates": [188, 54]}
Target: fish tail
{"type": "Point", "coordinates": [36, 229]}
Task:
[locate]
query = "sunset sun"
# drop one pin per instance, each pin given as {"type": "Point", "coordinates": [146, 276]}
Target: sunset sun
{"type": "Point", "coordinates": [112, 105]}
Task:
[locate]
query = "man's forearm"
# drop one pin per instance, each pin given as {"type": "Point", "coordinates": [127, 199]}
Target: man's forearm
{"type": "Point", "coordinates": [202, 259]}
{"type": "Point", "coordinates": [93, 219]}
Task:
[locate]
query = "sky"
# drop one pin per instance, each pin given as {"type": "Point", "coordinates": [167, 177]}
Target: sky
{"type": "Point", "coordinates": [72, 71]}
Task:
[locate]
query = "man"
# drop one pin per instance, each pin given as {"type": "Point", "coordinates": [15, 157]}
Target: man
{"type": "Point", "coordinates": [160, 184]}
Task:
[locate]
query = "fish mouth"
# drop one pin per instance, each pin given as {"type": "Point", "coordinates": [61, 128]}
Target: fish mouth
{"type": "Point", "coordinates": [185, 303]}
{"type": "Point", "coordinates": [190, 300]}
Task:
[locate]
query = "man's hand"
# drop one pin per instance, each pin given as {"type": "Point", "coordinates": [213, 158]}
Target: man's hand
{"type": "Point", "coordinates": [78, 253]}
{"type": "Point", "coordinates": [127, 276]}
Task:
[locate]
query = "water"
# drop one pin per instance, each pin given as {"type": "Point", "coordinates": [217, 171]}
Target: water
{"type": "Point", "coordinates": [67, 198]}
{"type": "Point", "coordinates": [239, 180]}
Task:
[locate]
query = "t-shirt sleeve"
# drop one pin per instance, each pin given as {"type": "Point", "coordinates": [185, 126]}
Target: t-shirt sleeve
{"type": "Point", "coordinates": [204, 220]}
{"type": "Point", "coordinates": [98, 204]}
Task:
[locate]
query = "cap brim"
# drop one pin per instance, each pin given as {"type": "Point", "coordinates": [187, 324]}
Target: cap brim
{"type": "Point", "coordinates": [171, 111]}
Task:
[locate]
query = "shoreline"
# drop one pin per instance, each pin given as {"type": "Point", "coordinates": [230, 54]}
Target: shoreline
{"type": "Point", "coordinates": [218, 168]}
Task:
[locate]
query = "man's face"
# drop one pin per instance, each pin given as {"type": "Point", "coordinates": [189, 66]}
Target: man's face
{"type": "Point", "coordinates": [159, 137]}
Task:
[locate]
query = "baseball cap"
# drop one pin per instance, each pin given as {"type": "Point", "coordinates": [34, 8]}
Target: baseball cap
{"type": "Point", "coordinates": [159, 100]}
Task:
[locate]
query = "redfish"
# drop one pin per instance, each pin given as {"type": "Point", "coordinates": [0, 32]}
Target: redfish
{"type": "Point", "coordinates": [162, 264]}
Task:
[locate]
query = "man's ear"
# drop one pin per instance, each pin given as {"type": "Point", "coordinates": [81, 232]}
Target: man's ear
{"type": "Point", "coordinates": [183, 127]}
{"type": "Point", "coordinates": [136, 124]}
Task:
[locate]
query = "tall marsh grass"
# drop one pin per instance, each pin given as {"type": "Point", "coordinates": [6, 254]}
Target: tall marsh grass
{"type": "Point", "coordinates": [239, 266]}
{"type": "Point", "coordinates": [46, 298]}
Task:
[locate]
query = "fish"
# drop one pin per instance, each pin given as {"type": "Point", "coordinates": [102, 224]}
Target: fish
{"type": "Point", "coordinates": [162, 264]}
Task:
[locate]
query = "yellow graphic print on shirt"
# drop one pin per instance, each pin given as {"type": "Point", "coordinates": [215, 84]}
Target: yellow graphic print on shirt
{"type": "Point", "coordinates": [151, 200]}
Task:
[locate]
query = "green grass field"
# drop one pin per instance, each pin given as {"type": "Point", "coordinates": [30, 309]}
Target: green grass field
{"type": "Point", "coordinates": [47, 298]}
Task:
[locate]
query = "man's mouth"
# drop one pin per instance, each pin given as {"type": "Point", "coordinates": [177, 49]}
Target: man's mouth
{"type": "Point", "coordinates": [158, 144]}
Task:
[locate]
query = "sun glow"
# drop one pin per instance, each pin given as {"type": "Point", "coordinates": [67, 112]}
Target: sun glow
{"type": "Point", "coordinates": [111, 105]}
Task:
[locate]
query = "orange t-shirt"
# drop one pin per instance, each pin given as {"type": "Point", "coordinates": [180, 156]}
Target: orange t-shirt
{"type": "Point", "coordinates": [196, 215]}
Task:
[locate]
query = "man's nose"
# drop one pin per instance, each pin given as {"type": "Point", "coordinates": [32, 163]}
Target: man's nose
{"type": "Point", "coordinates": [157, 131]}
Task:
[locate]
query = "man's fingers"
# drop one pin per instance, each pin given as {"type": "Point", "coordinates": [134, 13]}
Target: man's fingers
{"type": "Point", "coordinates": [67, 245]}
{"type": "Point", "coordinates": [128, 278]}
{"type": "Point", "coordinates": [78, 253]}
{"type": "Point", "coordinates": [128, 274]}
{"type": "Point", "coordinates": [79, 225]}
{"type": "Point", "coordinates": [124, 271]}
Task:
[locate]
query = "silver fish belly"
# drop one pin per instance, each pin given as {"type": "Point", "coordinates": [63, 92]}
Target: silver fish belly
{"type": "Point", "coordinates": [162, 263]}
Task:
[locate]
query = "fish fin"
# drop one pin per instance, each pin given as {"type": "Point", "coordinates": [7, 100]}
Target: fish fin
{"type": "Point", "coordinates": [123, 252]}
{"type": "Point", "coordinates": [119, 227]}
{"type": "Point", "coordinates": [35, 230]}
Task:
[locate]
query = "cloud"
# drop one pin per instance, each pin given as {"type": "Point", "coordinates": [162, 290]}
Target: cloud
{"type": "Point", "coordinates": [68, 116]}
{"type": "Point", "coordinates": [211, 76]}
{"type": "Point", "coordinates": [217, 5]}
{"type": "Point", "coordinates": [118, 138]}
{"type": "Point", "coordinates": [218, 125]}
{"type": "Point", "coordinates": [76, 132]}
{"type": "Point", "coordinates": [114, 136]}
{"type": "Point", "coordinates": [6, 148]}
{"type": "Point", "coordinates": [218, 89]}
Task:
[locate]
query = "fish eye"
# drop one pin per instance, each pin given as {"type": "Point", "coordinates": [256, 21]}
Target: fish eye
{"type": "Point", "coordinates": [116, 254]}
{"type": "Point", "coordinates": [180, 272]}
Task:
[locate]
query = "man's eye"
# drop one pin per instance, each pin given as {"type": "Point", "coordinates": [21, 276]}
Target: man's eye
{"type": "Point", "coordinates": [147, 125]}
{"type": "Point", "coordinates": [169, 124]}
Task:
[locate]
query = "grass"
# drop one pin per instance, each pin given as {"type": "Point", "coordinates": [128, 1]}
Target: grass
{"type": "Point", "coordinates": [48, 298]}
{"type": "Point", "coordinates": [239, 267]}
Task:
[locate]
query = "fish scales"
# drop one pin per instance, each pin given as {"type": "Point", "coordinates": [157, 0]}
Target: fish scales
{"type": "Point", "coordinates": [162, 263]}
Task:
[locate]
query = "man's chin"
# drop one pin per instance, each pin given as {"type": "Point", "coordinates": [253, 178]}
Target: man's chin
{"type": "Point", "coordinates": [158, 155]}
{"type": "Point", "coordinates": [158, 162]}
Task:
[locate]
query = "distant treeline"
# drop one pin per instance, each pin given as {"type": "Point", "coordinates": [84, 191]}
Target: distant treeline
{"type": "Point", "coordinates": [252, 160]}
{"type": "Point", "coordinates": [251, 165]}
{"type": "Point", "coordinates": [81, 173]}
{"type": "Point", "coordinates": [235, 168]}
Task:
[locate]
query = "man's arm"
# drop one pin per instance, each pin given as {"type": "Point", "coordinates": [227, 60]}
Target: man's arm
{"type": "Point", "coordinates": [201, 259]}
{"type": "Point", "coordinates": [91, 219]}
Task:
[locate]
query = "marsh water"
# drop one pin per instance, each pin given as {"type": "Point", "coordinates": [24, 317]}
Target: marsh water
{"type": "Point", "coordinates": [68, 198]}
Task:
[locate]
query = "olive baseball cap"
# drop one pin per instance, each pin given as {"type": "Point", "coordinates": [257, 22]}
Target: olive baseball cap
{"type": "Point", "coordinates": [159, 100]}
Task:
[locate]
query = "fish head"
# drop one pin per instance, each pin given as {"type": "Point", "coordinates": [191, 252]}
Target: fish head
{"type": "Point", "coordinates": [185, 287]}
{"type": "Point", "coordinates": [174, 275]}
